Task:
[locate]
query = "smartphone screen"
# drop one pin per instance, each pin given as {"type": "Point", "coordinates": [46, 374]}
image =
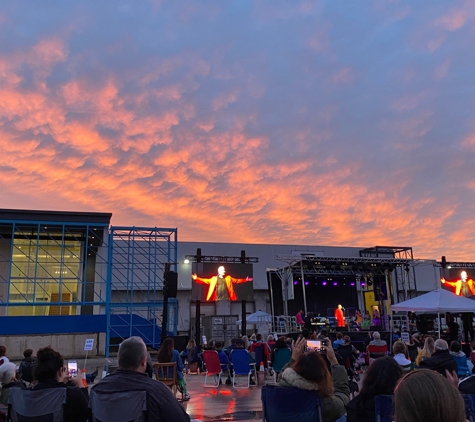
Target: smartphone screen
{"type": "Point", "coordinates": [72, 368]}
{"type": "Point", "coordinates": [314, 345]}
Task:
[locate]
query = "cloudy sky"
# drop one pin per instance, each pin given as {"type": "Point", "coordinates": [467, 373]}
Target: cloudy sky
{"type": "Point", "coordinates": [323, 122]}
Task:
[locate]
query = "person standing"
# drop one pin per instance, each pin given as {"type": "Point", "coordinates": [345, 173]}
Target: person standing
{"type": "Point", "coordinates": [339, 316]}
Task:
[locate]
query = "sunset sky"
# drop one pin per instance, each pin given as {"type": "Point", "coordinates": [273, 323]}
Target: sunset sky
{"type": "Point", "coordinates": [330, 122]}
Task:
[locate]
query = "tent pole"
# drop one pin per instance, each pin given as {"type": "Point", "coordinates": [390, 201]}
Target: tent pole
{"type": "Point", "coordinates": [439, 322]}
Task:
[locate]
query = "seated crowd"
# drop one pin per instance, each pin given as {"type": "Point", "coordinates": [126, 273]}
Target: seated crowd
{"type": "Point", "coordinates": [425, 387]}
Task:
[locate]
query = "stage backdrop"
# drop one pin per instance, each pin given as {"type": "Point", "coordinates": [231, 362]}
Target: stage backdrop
{"type": "Point", "coordinates": [236, 281]}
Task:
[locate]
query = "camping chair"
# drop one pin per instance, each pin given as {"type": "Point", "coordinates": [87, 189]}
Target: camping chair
{"type": "Point", "coordinates": [375, 352]}
{"type": "Point", "coordinates": [290, 404]}
{"type": "Point", "coordinates": [122, 406]}
{"type": "Point", "coordinates": [213, 366]}
{"type": "Point", "coordinates": [260, 354]}
{"type": "Point", "coordinates": [383, 408]}
{"type": "Point", "coordinates": [166, 373]}
{"type": "Point", "coordinates": [242, 365]}
{"type": "Point", "coordinates": [39, 405]}
{"type": "Point", "coordinates": [468, 401]}
{"type": "Point", "coordinates": [281, 358]}
{"type": "Point", "coordinates": [462, 366]}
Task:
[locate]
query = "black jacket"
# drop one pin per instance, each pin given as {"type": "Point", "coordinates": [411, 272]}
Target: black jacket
{"type": "Point", "coordinates": [25, 370]}
{"type": "Point", "coordinates": [162, 406]}
{"type": "Point", "coordinates": [440, 361]}
{"type": "Point", "coordinates": [358, 410]}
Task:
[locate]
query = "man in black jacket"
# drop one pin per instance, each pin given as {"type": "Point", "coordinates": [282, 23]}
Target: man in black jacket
{"type": "Point", "coordinates": [441, 360]}
{"type": "Point", "coordinates": [130, 376]}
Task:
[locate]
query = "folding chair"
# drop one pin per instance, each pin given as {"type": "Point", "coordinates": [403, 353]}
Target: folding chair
{"type": "Point", "coordinates": [39, 405]}
{"type": "Point", "coordinates": [289, 404]}
{"type": "Point", "coordinates": [213, 366]}
{"type": "Point", "coordinates": [166, 373]}
{"type": "Point", "coordinates": [462, 366]}
{"type": "Point", "coordinates": [242, 365]}
{"type": "Point", "coordinates": [383, 408]}
{"type": "Point", "coordinates": [122, 406]}
{"type": "Point", "coordinates": [469, 409]}
{"type": "Point", "coordinates": [281, 358]}
{"type": "Point", "coordinates": [375, 352]}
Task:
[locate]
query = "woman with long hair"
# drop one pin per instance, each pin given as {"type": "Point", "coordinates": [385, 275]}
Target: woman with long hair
{"type": "Point", "coordinates": [309, 371]}
{"type": "Point", "coordinates": [427, 351]}
{"type": "Point", "coordinates": [167, 354]}
{"type": "Point", "coordinates": [380, 378]}
{"type": "Point", "coordinates": [51, 372]}
{"type": "Point", "coordinates": [425, 395]}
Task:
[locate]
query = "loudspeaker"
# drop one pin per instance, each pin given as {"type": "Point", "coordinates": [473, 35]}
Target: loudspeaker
{"type": "Point", "coordinates": [170, 288]}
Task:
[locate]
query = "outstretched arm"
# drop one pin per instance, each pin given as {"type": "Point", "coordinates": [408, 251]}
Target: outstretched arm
{"type": "Point", "coordinates": [240, 280]}
{"type": "Point", "coordinates": [201, 280]}
{"type": "Point", "coordinates": [450, 283]}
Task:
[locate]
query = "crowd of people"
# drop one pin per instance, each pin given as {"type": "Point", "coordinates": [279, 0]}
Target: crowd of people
{"type": "Point", "coordinates": [420, 384]}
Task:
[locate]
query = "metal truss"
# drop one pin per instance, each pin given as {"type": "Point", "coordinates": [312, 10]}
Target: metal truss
{"type": "Point", "coordinates": [224, 259]}
{"type": "Point", "coordinates": [138, 258]}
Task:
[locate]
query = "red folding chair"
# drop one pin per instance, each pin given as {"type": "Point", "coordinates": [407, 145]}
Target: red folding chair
{"type": "Point", "coordinates": [213, 366]}
{"type": "Point", "coordinates": [375, 352]}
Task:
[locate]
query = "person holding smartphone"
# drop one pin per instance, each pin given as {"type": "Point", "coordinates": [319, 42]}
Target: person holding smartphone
{"type": "Point", "coordinates": [310, 371]}
{"type": "Point", "coordinates": [52, 372]}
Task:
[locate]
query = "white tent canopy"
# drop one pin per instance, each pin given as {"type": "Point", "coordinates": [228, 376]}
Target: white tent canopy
{"type": "Point", "coordinates": [437, 301]}
{"type": "Point", "coordinates": [261, 317]}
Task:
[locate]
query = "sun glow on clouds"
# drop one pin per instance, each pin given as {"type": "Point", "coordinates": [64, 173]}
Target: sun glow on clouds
{"type": "Point", "coordinates": [315, 123]}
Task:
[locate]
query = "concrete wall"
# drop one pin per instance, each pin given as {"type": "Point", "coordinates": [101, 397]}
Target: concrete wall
{"type": "Point", "coordinates": [69, 345]}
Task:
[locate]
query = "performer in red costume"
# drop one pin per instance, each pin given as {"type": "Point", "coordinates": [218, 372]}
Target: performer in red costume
{"type": "Point", "coordinates": [463, 287]}
{"type": "Point", "coordinates": [221, 285]}
{"type": "Point", "coordinates": [340, 318]}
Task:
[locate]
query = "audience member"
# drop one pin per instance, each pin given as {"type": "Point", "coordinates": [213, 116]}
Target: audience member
{"type": "Point", "coordinates": [416, 339]}
{"type": "Point", "coordinates": [279, 344]}
{"type": "Point", "coordinates": [400, 356]}
{"type": "Point", "coordinates": [8, 380]}
{"type": "Point", "coordinates": [25, 370]}
{"type": "Point", "coordinates": [231, 346]}
{"type": "Point", "coordinates": [246, 342]}
{"type": "Point", "coordinates": [270, 341]}
{"type": "Point", "coordinates": [424, 395]}
{"type": "Point", "coordinates": [339, 340]}
{"type": "Point", "coordinates": [309, 371]}
{"type": "Point", "coordinates": [51, 372]}
{"type": "Point", "coordinates": [265, 355]}
{"type": "Point", "coordinates": [354, 350]}
{"type": "Point", "coordinates": [377, 340]}
{"type": "Point", "coordinates": [461, 360]}
{"type": "Point", "coordinates": [130, 376]}
{"type": "Point", "coordinates": [192, 352]}
{"type": "Point", "coordinates": [427, 351]}
{"type": "Point", "coordinates": [167, 354]}
{"type": "Point", "coordinates": [380, 378]}
{"type": "Point", "coordinates": [3, 355]}
{"type": "Point", "coordinates": [441, 360]}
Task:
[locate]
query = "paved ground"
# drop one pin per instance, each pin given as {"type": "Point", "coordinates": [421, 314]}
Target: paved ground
{"type": "Point", "coordinates": [210, 404]}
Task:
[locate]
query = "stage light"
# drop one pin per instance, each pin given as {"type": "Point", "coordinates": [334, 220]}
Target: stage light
{"type": "Point", "coordinates": [335, 283]}
{"type": "Point", "coordinates": [324, 283]}
{"type": "Point", "coordinates": [295, 283]}
{"type": "Point", "coordinates": [306, 283]}
{"type": "Point", "coordinates": [352, 284]}
{"type": "Point", "coordinates": [186, 261]}
{"type": "Point", "coordinates": [362, 284]}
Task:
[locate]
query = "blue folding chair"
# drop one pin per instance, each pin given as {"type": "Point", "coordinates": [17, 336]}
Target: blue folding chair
{"type": "Point", "coordinates": [468, 400]}
{"type": "Point", "coordinates": [242, 365]}
{"type": "Point", "coordinates": [289, 404]}
{"type": "Point", "coordinates": [462, 366]}
{"type": "Point", "coordinates": [383, 408]}
{"type": "Point", "coordinates": [281, 358]}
